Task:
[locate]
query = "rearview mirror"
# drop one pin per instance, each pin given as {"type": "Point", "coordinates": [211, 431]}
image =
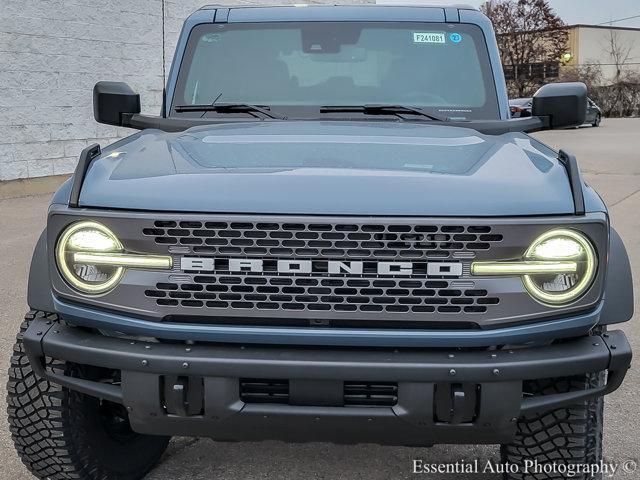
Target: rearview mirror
{"type": "Point", "coordinates": [111, 100]}
{"type": "Point", "coordinates": [565, 104]}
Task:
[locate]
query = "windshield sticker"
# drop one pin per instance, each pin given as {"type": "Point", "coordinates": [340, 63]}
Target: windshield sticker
{"type": "Point", "coordinates": [455, 37]}
{"type": "Point", "coordinates": [429, 37]}
{"type": "Point", "coordinates": [211, 38]}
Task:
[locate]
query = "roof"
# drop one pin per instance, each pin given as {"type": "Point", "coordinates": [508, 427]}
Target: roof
{"type": "Point", "coordinates": [569, 27]}
{"type": "Point", "coordinates": [607, 27]}
{"type": "Point", "coordinates": [459, 6]}
{"type": "Point", "coordinates": [347, 12]}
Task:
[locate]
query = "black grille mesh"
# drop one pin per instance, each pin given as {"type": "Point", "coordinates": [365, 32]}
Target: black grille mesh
{"type": "Point", "coordinates": [320, 292]}
{"type": "Point", "coordinates": [264, 391]}
{"type": "Point", "coordinates": [365, 394]}
{"type": "Point", "coordinates": [355, 394]}
{"type": "Point", "coordinates": [393, 295]}
{"type": "Point", "coordinates": [325, 240]}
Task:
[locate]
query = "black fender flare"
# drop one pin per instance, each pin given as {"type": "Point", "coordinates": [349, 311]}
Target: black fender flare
{"type": "Point", "coordinates": [618, 289]}
{"type": "Point", "coordinates": [39, 287]}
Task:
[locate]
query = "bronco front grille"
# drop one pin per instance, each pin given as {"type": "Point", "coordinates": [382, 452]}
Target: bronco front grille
{"type": "Point", "coordinates": [392, 295]}
{"type": "Point", "coordinates": [326, 240]}
{"type": "Point", "coordinates": [368, 293]}
{"type": "Point", "coordinates": [347, 271]}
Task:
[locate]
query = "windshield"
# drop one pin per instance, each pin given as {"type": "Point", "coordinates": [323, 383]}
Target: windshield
{"type": "Point", "coordinates": [302, 66]}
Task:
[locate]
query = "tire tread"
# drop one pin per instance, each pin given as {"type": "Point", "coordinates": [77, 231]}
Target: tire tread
{"type": "Point", "coordinates": [48, 422]}
{"type": "Point", "coordinates": [571, 435]}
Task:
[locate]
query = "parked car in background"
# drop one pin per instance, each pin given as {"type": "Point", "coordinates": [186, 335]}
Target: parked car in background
{"type": "Point", "coordinates": [594, 114]}
{"type": "Point", "coordinates": [522, 107]}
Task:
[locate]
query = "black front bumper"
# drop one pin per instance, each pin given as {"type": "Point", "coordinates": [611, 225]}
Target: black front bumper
{"type": "Point", "coordinates": [441, 396]}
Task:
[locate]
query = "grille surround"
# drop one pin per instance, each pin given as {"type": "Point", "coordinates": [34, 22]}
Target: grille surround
{"type": "Point", "coordinates": [515, 305]}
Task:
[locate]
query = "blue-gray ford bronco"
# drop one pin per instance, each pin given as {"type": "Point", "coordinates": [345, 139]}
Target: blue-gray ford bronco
{"type": "Point", "coordinates": [334, 232]}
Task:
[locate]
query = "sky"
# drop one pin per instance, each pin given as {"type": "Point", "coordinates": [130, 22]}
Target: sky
{"type": "Point", "coordinates": [591, 12]}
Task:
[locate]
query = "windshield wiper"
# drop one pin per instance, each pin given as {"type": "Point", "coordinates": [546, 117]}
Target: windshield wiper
{"type": "Point", "coordinates": [381, 110]}
{"type": "Point", "coordinates": [229, 108]}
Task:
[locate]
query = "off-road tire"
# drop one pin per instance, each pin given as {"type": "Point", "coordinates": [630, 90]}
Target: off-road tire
{"type": "Point", "coordinates": [60, 434]}
{"type": "Point", "coordinates": [571, 435]}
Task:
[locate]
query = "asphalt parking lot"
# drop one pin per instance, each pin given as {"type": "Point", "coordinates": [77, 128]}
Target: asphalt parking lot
{"type": "Point", "coordinates": [609, 159]}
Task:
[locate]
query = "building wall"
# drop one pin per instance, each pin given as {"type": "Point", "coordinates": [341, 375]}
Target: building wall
{"type": "Point", "coordinates": [591, 45]}
{"type": "Point", "coordinates": [53, 52]}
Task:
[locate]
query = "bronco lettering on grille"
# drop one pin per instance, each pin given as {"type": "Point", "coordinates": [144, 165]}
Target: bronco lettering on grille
{"type": "Point", "coordinates": [332, 267]}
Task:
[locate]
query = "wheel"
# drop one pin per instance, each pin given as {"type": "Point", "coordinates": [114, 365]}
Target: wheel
{"type": "Point", "coordinates": [598, 119]}
{"type": "Point", "coordinates": [60, 434]}
{"type": "Point", "coordinates": [571, 435]}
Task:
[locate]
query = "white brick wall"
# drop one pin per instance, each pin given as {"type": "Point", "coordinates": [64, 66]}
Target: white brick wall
{"type": "Point", "coordinates": [52, 52]}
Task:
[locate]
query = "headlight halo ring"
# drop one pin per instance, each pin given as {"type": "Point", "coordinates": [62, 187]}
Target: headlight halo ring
{"type": "Point", "coordinates": [63, 265]}
{"type": "Point", "coordinates": [591, 260]}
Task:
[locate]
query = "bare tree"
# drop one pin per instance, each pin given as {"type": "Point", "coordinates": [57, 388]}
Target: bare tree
{"type": "Point", "coordinates": [624, 84]}
{"type": "Point", "coordinates": [590, 74]}
{"type": "Point", "coordinates": [531, 38]}
{"type": "Point", "coordinates": [620, 54]}
{"type": "Point", "coordinates": [634, 94]}
{"type": "Point", "coordinates": [614, 86]}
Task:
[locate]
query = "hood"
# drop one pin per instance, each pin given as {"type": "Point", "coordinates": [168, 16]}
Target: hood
{"type": "Point", "coordinates": [330, 168]}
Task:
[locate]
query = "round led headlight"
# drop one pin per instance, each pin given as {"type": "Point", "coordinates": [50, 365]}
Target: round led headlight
{"type": "Point", "coordinates": [575, 266]}
{"type": "Point", "coordinates": [77, 247]}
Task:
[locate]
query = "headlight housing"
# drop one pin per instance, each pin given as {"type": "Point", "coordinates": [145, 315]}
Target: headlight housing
{"type": "Point", "coordinates": [556, 269]}
{"type": "Point", "coordinates": [567, 246]}
{"type": "Point", "coordinates": [88, 237]}
{"type": "Point", "coordinates": [92, 259]}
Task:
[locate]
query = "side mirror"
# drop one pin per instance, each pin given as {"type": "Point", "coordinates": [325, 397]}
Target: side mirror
{"type": "Point", "coordinates": [111, 100]}
{"type": "Point", "coordinates": [565, 104]}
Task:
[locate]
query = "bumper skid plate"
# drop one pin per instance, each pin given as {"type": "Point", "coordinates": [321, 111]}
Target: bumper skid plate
{"type": "Point", "coordinates": [386, 396]}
